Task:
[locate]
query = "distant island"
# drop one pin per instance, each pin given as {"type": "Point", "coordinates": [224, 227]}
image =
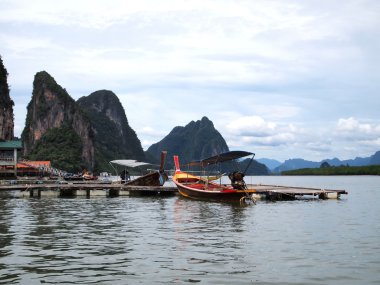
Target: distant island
{"type": "Point", "coordinates": [299, 163]}
{"type": "Point", "coordinates": [336, 170]}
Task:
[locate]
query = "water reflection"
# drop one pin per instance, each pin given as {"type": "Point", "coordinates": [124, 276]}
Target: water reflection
{"type": "Point", "coordinates": [207, 238]}
{"type": "Point", "coordinates": [5, 234]}
{"type": "Point", "coordinates": [175, 240]}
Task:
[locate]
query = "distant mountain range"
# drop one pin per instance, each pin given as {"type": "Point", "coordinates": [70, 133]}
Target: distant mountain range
{"type": "Point", "coordinates": [298, 163]}
{"type": "Point", "coordinates": [270, 163]}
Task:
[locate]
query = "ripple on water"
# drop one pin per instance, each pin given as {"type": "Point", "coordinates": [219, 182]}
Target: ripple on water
{"type": "Point", "coordinates": [174, 240]}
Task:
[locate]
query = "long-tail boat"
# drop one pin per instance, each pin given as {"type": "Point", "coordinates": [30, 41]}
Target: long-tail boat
{"type": "Point", "coordinates": [154, 178]}
{"type": "Point", "coordinates": [194, 186]}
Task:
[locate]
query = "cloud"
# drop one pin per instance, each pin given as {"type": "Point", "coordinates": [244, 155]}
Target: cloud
{"type": "Point", "coordinates": [320, 146]}
{"type": "Point", "coordinates": [149, 131]}
{"type": "Point", "coordinates": [267, 73]}
{"type": "Point", "coordinates": [273, 140]}
{"type": "Point", "coordinates": [253, 126]}
{"type": "Point", "coordinates": [93, 14]}
{"type": "Point", "coordinates": [255, 131]}
{"type": "Point", "coordinates": [356, 130]}
{"type": "Point", "coordinates": [276, 111]}
{"type": "Point", "coordinates": [24, 44]}
{"type": "Point", "coordinates": [147, 143]}
{"type": "Point", "coordinates": [172, 42]}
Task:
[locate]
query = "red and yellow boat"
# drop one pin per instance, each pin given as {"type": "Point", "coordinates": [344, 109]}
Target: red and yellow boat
{"type": "Point", "coordinates": [196, 187]}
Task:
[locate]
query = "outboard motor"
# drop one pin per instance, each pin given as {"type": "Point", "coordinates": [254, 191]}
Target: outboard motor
{"type": "Point", "coordinates": [237, 180]}
{"type": "Point", "coordinates": [124, 175]}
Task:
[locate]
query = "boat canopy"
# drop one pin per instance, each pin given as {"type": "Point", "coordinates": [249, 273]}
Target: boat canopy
{"type": "Point", "coordinates": [226, 156]}
{"type": "Point", "coordinates": [129, 162]}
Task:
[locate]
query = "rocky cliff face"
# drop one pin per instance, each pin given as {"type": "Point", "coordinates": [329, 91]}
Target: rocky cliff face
{"type": "Point", "coordinates": [114, 138]}
{"type": "Point", "coordinates": [199, 140]}
{"type": "Point", "coordinates": [52, 108]}
{"type": "Point", "coordinates": [195, 141]}
{"type": "Point", "coordinates": [6, 106]}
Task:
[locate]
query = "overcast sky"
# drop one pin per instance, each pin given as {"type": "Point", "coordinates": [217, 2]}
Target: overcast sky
{"type": "Point", "coordinates": [283, 79]}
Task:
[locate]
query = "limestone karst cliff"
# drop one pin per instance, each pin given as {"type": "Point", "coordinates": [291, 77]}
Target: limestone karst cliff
{"type": "Point", "coordinates": [199, 140]}
{"type": "Point", "coordinates": [6, 106]}
{"type": "Point", "coordinates": [196, 140]}
{"type": "Point", "coordinates": [114, 138]}
{"type": "Point", "coordinates": [56, 128]}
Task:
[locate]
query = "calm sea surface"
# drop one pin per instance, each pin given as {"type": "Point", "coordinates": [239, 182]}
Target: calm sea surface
{"type": "Point", "coordinates": [152, 240]}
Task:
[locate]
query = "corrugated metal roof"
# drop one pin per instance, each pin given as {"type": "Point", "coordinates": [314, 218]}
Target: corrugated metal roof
{"type": "Point", "coordinates": [129, 162]}
{"type": "Point", "coordinates": [11, 145]}
{"type": "Point", "coordinates": [36, 164]}
{"type": "Point", "coordinates": [229, 155]}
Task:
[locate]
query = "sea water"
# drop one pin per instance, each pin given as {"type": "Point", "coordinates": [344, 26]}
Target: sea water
{"type": "Point", "coordinates": [174, 240]}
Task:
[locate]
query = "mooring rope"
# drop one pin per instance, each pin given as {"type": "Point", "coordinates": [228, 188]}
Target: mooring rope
{"type": "Point", "coordinates": [247, 198]}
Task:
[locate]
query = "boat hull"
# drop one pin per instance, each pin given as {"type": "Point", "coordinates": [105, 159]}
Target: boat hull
{"type": "Point", "coordinates": [151, 179]}
{"type": "Point", "coordinates": [224, 194]}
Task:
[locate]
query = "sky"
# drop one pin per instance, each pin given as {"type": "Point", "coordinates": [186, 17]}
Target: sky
{"type": "Point", "coordinates": [283, 79]}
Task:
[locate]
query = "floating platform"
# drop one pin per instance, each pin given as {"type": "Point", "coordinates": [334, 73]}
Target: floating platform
{"type": "Point", "coordinates": [269, 192]}
{"type": "Point", "coordinates": [277, 192]}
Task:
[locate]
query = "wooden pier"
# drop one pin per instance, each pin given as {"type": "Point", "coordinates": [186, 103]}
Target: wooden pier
{"type": "Point", "coordinates": [95, 189]}
{"type": "Point", "coordinates": [87, 190]}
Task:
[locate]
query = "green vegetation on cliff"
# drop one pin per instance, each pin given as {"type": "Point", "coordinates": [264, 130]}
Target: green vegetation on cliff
{"type": "Point", "coordinates": [6, 106]}
{"type": "Point", "coordinates": [114, 138]}
{"type": "Point", "coordinates": [195, 141]}
{"type": "Point", "coordinates": [50, 111]}
{"type": "Point", "coordinates": [62, 146]}
{"type": "Point", "coordinates": [336, 170]}
{"type": "Point", "coordinates": [199, 140]}
{"type": "Point", "coordinates": [43, 81]}
{"type": "Point", "coordinates": [5, 100]}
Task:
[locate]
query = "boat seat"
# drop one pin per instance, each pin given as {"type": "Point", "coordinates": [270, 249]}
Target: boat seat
{"type": "Point", "coordinates": [197, 186]}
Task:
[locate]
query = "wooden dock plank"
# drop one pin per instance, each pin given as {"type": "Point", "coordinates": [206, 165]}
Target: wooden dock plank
{"type": "Point", "coordinates": [278, 192]}
{"type": "Point", "coordinates": [293, 190]}
{"type": "Point", "coordinates": [88, 190]}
